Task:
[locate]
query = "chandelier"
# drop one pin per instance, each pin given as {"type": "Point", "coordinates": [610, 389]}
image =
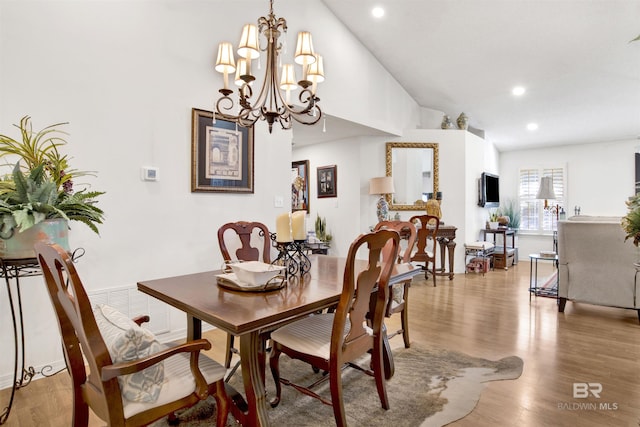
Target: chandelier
{"type": "Point", "coordinates": [273, 102]}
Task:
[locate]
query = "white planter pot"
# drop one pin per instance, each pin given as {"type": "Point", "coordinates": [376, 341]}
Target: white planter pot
{"type": "Point", "coordinates": [20, 244]}
{"type": "Point", "coordinates": [493, 225]}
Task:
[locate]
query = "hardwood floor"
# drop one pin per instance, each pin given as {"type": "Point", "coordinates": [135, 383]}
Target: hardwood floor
{"type": "Point", "coordinates": [488, 317]}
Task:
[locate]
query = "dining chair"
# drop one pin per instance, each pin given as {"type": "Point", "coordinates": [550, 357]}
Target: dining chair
{"type": "Point", "coordinates": [427, 231]}
{"type": "Point", "coordinates": [243, 241]}
{"type": "Point", "coordinates": [328, 341]}
{"type": "Point", "coordinates": [128, 382]}
{"type": "Point", "coordinates": [399, 298]}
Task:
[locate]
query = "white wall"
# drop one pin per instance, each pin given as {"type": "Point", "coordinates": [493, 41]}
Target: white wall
{"type": "Point", "coordinates": [463, 157]}
{"type": "Point", "coordinates": [126, 75]}
{"type": "Point", "coordinates": [600, 178]}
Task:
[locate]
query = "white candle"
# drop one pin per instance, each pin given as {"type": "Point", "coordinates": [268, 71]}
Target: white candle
{"type": "Point", "coordinates": [283, 228]}
{"type": "Point", "coordinates": [298, 225]}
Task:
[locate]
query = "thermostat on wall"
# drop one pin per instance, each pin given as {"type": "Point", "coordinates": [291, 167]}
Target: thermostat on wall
{"type": "Point", "coordinates": [150, 173]}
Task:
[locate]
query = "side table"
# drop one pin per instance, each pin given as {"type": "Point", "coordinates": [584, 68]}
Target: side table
{"type": "Point", "coordinates": [534, 286]}
{"type": "Point", "coordinates": [503, 256]}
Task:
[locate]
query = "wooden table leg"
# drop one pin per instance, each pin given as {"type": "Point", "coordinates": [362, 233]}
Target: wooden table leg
{"type": "Point", "coordinates": [251, 352]}
{"type": "Point", "coordinates": [442, 242]}
{"type": "Point", "coordinates": [194, 328]}
{"type": "Point", "coordinates": [451, 248]}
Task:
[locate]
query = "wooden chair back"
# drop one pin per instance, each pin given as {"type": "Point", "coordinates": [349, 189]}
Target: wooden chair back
{"type": "Point", "coordinates": [251, 241]}
{"type": "Point", "coordinates": [344, 329]}
{"type": "Point", "coordinates": [408, 237]}
{"type": "Point", "coordinates": [427, 230]}
{"type": "Point", "coordinates": [399, 299]}
{"type": "Point", "coordinates": [80, 335]}
{"type": "Point", "coordinates": [354, 307]}
{"type": "Point", "coordinates": [247, 241]}
{"type": "Point", "coordinates": [98, 387]}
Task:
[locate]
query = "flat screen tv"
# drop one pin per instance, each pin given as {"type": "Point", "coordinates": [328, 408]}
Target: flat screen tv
{"type": "Point", "coordinates": [489, 190]}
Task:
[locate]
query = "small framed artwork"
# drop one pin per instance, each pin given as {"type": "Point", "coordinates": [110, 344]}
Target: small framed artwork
{"type": "Point", "coordinates": [327, 181]}
{"type": "Point", "coordinates": [300, 186]}
{"type": "Point", "coordinates": [221, 154]}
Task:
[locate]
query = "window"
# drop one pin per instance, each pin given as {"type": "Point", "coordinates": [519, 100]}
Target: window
{"type": "Point", "coordinates": [533, 215]}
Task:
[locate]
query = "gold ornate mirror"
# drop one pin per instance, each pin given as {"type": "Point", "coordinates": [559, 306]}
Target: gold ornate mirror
{"type": "Point", "coordinates": [414, 168]}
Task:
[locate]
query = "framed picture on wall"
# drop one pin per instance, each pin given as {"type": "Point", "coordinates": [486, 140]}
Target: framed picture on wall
{"type": "Point", "coordinates": [300, 186]}
{"type": "Point", "coordinates": [327, 181]}
{"type": "Point", "coordinates": [221, 155]}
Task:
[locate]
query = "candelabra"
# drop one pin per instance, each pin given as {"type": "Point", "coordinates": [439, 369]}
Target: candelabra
{"type": "Point", "coordinates": [292, 256]}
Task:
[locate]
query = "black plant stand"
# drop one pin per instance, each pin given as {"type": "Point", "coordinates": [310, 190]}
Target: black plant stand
{"type": "Point", "coordinates": [12, 270]}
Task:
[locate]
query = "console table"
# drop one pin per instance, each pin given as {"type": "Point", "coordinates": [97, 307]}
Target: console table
{"type": "Point", "coordinates": [446, 240]}
{"type": "Point", "coordinates": [504, 255]}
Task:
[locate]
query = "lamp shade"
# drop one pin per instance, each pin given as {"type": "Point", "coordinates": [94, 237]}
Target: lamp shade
{"type": "Point", "coordinates": [381, 185]}
{"type": "Point", "coordinates": [304, 49]}
{"type": "Point", "coordinates": [241, 70]}
{"type": "Point", "coordinates": [224, 61]}
{"type": "Point", "coordinates": [249, 46]}
{"type": "Point", "coordinates": [546, 189]}
{"type": "Point", "coordinates": [316, 70]}
{"type": "Point", "coordinates": [288, 79]}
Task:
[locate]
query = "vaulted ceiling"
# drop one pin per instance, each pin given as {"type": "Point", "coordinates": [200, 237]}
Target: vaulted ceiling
{"type": "Point", "coordinates": [573, 57]}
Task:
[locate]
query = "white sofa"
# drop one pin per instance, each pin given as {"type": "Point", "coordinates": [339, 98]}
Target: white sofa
{"type": "Point", "coordinates": [596, 265]}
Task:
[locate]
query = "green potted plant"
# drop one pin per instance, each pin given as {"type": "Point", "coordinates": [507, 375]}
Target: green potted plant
{"type": "Point", "coordinates": [493, 220]}
{"type": "Point", "coordinates": [631, 221]}
{"type": "Point", "coordinates": [38, 195]}
{"type": "Point", "coordinates": [511, 209]}
{"type": "Point", "coordinates": [321, 230]}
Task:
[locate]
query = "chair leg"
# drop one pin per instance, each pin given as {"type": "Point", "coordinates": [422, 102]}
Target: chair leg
{"type": "Point", "coordinates": [379, 372]}
{"type": "Point", "coordinates": [229, 354]}
{"type": "Point", "coordinates": [433, 273]}
{"type": "Point", "coordinates": [274, 364]}
{"type": "Point", "coordinates": [222, 403]}
{"type": "Point", "coordinates": [80, 411]}
{"type": "Point", "coordinates": [404, 322]}
{"type": "Point", "coordinates": [335, 381]}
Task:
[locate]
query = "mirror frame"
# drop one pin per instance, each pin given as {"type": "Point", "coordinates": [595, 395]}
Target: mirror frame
{"type": "Point", "coordinates": [389, 172]}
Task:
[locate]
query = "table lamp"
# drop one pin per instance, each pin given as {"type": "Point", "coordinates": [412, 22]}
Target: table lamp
{"type": "Point", "coordinates": [546, 192]}
{"type": "Point", "coordinates": [381, 185]}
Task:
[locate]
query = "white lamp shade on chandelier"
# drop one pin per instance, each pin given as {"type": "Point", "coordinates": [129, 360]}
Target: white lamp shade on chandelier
{"type": "Point", "coordinates": [273, 101]}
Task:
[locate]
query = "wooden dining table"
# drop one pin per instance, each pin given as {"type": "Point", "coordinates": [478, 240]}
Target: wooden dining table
{"type": "Point", "coordinates": [253, 315]}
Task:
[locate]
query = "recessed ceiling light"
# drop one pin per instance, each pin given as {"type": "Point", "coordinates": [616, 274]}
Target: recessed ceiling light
{"type": "Point", "coordinates": [532, 126]}
{"type": "Point", "coordinates": [377, 12]}
{"type": "Point", "coordinates": [518, 91]}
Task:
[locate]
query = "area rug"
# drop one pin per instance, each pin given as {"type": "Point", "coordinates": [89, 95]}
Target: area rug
{"type": "Point", "coordinates": [430, 387]}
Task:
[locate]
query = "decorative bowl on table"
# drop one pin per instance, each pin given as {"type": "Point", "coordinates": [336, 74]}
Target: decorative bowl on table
{"type": "Point", "coordinates": [256, 273]}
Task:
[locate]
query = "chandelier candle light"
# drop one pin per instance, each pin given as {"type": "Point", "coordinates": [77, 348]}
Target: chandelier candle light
{"type": "Point", "coordinates": [270, 104]}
